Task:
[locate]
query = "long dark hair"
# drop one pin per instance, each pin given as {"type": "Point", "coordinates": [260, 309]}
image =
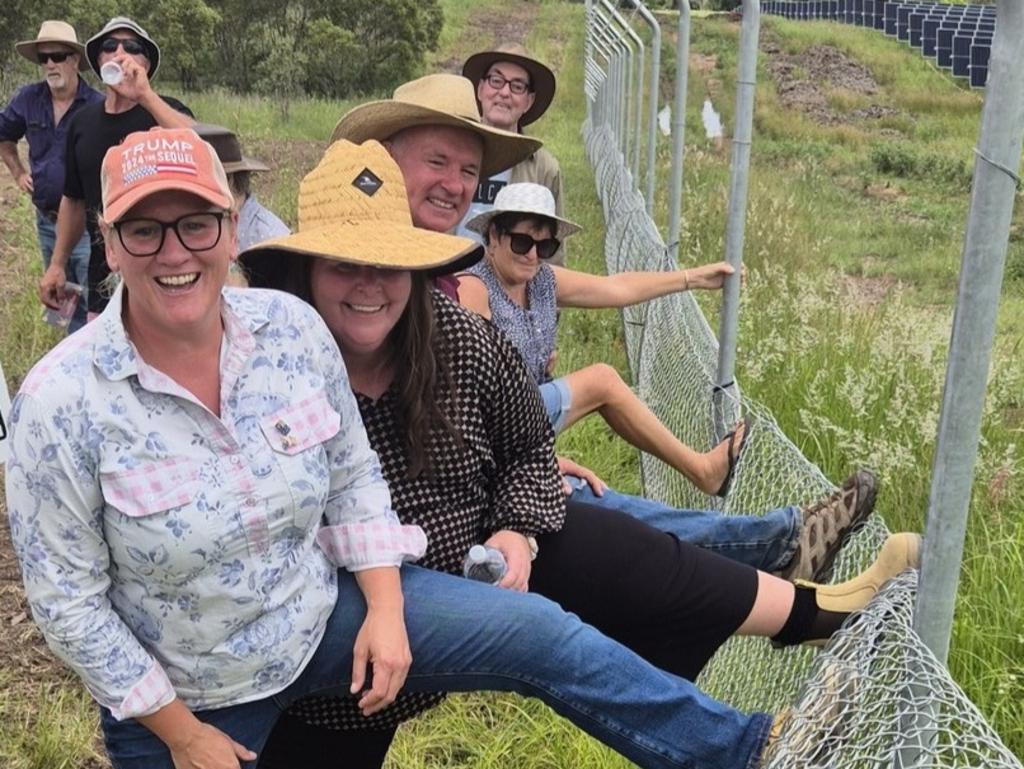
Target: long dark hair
{"type": "Point", "coordinates": [421, 361]}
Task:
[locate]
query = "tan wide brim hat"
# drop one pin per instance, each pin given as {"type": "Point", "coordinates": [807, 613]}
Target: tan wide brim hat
{"type": "Point", "coordinates": [353, 208]}
{"type": "Point", "coordinates": [441, 99]}
{"type": "Point", "coordinates": [542, 79]}
{"type": "Point", "coordinates": [54, 32]}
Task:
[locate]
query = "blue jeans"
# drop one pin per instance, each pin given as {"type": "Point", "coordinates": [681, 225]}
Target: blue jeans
{"type": "Point", "coordinates": [766, 542]}
{"type": "Point", "coordinates": [77, 270]}
{"type": "Point", "coordinates": [557, 400]}
{"type": "Point", "coordinates": [468, 636]}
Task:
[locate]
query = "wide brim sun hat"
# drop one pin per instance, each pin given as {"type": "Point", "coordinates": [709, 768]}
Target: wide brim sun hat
{"type": "Point", "coordinates": [228, 148]}
{"type": "Point", "coordinates": [92, 47]}
{"type": "Point", "coordinates": [54, 32]}
{"type": "Point", "coordinates": [353, 208]}
{"type": "Point", "coordinates": [542, 79]}
{"type": "Point", "coordinates": [523, 198]}
{"type": "Point", "coordinates": [440, 99]}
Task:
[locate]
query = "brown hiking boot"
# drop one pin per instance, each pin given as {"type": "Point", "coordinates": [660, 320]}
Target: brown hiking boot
{"type": "Point", "coordinates": [827, 525]}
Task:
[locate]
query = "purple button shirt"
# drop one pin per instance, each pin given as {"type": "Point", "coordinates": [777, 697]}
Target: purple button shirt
{"type": "Point", "coordinates": [30, 114]}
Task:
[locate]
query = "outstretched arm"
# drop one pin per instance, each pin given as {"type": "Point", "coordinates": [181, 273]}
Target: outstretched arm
{"type": "Point", "coordinates": [580, 289]}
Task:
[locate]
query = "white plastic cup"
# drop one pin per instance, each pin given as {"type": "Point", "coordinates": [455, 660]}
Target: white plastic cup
{"type": "Point", "coordinates": [111, 73]}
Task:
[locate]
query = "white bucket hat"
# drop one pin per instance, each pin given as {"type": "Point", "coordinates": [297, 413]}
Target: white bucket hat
{"type": "Point", "coordinates": [523, 198]}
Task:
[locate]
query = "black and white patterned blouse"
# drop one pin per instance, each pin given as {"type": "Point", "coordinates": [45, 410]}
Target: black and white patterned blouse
{"type": "Point", "coordinates": [504, 476]}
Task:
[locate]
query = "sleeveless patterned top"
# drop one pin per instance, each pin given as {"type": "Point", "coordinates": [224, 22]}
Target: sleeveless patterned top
{"type": "Point", "coordinates": [532, 328]}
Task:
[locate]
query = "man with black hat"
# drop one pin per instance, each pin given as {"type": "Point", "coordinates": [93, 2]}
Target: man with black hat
{"type": "Point", "coordinates": [513, 90]}
{"type": "Point", "coordinates": [130, 105]}
{"type": "Point", "coordinates": [41, 112]}
{"type": "Point", "coordinates": [256, 223]}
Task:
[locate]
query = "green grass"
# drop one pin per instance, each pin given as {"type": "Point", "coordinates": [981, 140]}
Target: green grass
{"type": "Point", "coordinates": [850, 382]}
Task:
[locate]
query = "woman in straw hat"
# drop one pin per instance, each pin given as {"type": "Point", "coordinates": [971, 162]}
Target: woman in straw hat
{"type": "Point", "coordinates": [468, 453]}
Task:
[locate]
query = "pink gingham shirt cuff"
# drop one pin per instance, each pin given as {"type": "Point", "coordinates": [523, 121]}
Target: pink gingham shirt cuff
{"type": "Point", "coordinates": [358, 546]}
{"type": "Point", "coordinates": [150, 693]}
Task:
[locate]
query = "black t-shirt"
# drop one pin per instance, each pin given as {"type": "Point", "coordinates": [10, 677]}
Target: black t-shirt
{"type": "Point", "coordinates": [92, 132]}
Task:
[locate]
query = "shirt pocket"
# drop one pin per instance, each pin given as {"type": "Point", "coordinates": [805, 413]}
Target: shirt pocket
{"type": "Point", "coordinates": [296, 435]}
{"type": "Point", "coordinates": [152, 487]}
{"type": "Point", "coordinates": [301, 426]}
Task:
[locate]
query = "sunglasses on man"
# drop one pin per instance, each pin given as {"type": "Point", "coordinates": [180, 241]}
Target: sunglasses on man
{"type": "Point", "coordinates": [521, 243]}
{"type": "Point", "coordinates": [57, 57]}
{"type": "Point", "coordinates": [129, 45]}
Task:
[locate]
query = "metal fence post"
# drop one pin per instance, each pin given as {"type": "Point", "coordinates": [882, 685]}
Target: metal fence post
{"type": "Point", "coordinates": [675, 207]}
{"type": "Point", "coordinates": [652, 116]}
{"type": "Point", "coordinates": [725, 398]}
{"type": "Point", "coordinates": [981, 273]}
{"type": "Point", "coordinates": [638, 89]}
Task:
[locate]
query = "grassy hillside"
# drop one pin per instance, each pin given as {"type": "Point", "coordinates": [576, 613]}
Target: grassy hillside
{"type": "Point", "coordinates": [857, 206]}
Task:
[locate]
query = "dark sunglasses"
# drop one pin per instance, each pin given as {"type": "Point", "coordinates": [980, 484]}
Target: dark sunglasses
{"type": "Point", "coordinates": [521, 244]}
{"type": "Point", "coordinates": [129, 45]}
{"type": "Point", "coordinates": [57, 57]}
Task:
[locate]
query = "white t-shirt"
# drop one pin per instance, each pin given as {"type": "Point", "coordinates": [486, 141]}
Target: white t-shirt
{"type": "Point", "coordinates": [483, 200]}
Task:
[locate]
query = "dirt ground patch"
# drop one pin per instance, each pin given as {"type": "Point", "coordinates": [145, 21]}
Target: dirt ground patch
{"type": "Point", "coordinates": [801, 81]}
{"type": "Point", "coordinates": [511, 25]}
{"type": "Point", "coordinates": [864, 291]}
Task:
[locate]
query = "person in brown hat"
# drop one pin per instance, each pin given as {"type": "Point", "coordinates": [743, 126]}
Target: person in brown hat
{"type": "Point", "coordinates": [41, 112]}
{"type": "Point", "coordinates": [514, 90]}
{"type": "Point", "coordinates": [256, 223]}
{"type": "Point", "coordinates": [130, 105]}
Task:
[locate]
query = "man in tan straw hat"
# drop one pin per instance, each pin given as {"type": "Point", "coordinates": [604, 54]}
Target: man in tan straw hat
{"type": "Point", "coordinates": [256, 223]}
{"type": "Point", "coordinates": [128, 58]}
{"type": "Point", "coordinates": [41, 112]}
{"type": "Point", "coordinates": [514, 90]}
{"type": "Point", "coordinates": [432, 128]}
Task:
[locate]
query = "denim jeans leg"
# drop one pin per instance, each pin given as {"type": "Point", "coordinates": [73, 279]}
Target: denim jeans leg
{"type": "Point", "coordinates": [130, 745]}
{"type": "Point", "coordinates": [468, 636]}
{"type": "Point", "coordinates": [77, 270]}
{"type": "Point", "coordinates": [766, 542]}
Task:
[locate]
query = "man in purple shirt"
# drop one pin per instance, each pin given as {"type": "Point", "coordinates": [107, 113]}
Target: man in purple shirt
{"type": "Point", "coordinates": [40, 113]}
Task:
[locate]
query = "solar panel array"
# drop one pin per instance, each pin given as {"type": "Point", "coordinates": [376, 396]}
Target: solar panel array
{"type": "Point", "coordinates": [957, 37]}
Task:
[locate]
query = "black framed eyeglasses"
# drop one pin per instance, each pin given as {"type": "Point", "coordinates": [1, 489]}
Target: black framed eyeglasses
{"type": "Point", "coordinates": [129, 45]}
{"type": "Point", "coordinates": [145, 237]}
{"type": "Point", "coordinates": [497, 81]}
{"type": "Point", "coordinates": [521, 243]}
{"type": "Point", "coordinates": [57, 57]}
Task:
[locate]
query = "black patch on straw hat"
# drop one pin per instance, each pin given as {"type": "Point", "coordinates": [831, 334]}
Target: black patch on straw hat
{"type": "Point", "coordinates": [367, 182]}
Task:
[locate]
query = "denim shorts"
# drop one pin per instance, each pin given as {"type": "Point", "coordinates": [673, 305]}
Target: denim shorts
{"type": "Point", "coordinates": [557, 401]}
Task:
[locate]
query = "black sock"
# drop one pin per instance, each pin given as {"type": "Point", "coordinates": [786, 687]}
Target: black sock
{"type": "Point", "coordinates": [806, 621]}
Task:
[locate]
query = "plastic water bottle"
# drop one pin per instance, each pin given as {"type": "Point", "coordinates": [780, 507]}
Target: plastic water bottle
{"type": "Point", "coordinates": [484, 564]}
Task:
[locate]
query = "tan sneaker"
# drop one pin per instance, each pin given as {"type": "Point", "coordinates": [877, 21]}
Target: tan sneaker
{"type": "Point", "coordinates": [899, 553]}
{"type": "Point", "coordinates": [827, 525]}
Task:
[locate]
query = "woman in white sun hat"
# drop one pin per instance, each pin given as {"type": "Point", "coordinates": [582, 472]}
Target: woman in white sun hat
{"type": "Point", "coordinates": [521, 294]}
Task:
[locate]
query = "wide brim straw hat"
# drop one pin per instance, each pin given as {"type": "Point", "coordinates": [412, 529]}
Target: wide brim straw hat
{"type": "Point", "coordinates": [92, 47]}
{"type": "Point", "coordinates": [228, 148]}
{"type": "Point", "coordinates": [353, 208]}
{"type": "Point", "coordinates": [542, 79]}
{"type": "Point", "coordinates": [523, 198]}
{"type": "Point", "coordinates": [440, 99]}
{"type": "Point", "coordinates": [54, 32]}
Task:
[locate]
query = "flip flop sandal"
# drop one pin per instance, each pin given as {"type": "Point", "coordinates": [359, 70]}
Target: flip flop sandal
{"type": "Point", "coordinates": [734, 457]}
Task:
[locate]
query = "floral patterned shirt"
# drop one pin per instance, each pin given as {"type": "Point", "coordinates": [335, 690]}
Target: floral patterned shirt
{"type": "Point", "coordinates": [170, 552]}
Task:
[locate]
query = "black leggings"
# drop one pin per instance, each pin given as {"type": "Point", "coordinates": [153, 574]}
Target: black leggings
{"type": "Point", "coordinates": [670, 602]}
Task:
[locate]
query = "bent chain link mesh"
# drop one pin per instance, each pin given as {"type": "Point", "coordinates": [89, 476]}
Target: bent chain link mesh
{"type": "Point", "coordinates": [875, 697]}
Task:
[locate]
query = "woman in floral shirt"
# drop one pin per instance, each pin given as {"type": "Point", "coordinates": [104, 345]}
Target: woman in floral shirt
{"type": "Point", "coordinates": [205, 535]}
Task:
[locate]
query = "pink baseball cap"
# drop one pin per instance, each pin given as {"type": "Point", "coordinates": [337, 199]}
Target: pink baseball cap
{"type": "Point", "coordinates": [160, 159]}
